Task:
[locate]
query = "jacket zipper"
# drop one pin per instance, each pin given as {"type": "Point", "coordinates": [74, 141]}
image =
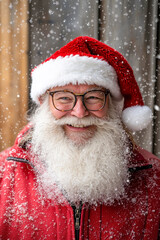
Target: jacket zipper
{"type": "Point", "coordinates": [77, 218]}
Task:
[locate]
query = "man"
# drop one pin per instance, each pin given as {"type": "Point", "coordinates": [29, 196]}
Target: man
{"type": "Point", "coordinates": [75, 171]}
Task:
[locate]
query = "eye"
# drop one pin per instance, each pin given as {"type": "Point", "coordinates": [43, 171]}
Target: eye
{"type": "Point", "coordinates": [93, 97]}
{"type": "Point", "coordinates": [64, 98]}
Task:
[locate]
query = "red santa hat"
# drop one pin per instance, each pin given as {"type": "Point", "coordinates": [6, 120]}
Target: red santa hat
{"type": "Point", "coordinates": [86, 60]}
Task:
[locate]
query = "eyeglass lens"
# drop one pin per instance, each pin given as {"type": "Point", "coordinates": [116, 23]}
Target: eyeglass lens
{"type": "Point", "coordinates": [63, 101]}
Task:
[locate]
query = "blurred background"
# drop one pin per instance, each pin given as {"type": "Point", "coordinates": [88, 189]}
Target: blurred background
{"type": "Point", "coordinates": [32, 30]}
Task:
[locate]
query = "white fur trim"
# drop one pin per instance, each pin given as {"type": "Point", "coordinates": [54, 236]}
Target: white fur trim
{"type": "Point", "coordinates": [74, 69]}
{"type": "Point", "coordinates": [137, 118]}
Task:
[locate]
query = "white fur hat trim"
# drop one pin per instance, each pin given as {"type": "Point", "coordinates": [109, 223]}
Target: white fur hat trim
{"type": "Point", "coordinates": [74, 70]}
{"type": "Point", "coordinates": [137, 118]}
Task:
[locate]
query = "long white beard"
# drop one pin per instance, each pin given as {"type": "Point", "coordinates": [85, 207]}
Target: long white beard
{"type": "Point", "coordinates": [95, 172]}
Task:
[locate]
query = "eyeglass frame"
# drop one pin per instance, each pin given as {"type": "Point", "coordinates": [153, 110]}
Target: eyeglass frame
{"type": "Point", "coordinates": [106, 92]}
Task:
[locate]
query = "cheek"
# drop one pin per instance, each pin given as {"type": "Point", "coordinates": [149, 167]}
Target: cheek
{"type": "Point", "coordinates": [57, 114]}
{"type": "Point", "coordinates": [99, 114]}
{"type": "Point", "coordinates": [102, 113]}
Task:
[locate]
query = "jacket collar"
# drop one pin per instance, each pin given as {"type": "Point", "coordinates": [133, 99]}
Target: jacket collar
{"type": "Point", "coordinates": [137, 161]}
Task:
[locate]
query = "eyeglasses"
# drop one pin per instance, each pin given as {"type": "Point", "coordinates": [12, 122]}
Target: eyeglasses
{"type": "Point", "coordinates": [65, 100]}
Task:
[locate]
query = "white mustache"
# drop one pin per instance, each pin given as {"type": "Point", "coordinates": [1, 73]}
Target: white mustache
{"type": "Point", "coordinates": [88, 121]}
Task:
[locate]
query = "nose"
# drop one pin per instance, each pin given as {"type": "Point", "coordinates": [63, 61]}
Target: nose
{"type": "Point", "coordinates": [79, 109]}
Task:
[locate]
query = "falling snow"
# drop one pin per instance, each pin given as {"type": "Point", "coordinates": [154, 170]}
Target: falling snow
{"type": "Point", "coordinates": [131, 27]}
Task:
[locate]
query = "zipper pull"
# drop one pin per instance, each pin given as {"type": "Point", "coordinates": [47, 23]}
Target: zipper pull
{"type": "Point", "coordinates": [77, 218]}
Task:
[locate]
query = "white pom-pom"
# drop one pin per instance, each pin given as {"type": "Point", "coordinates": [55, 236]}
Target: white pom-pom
{"type": "Point", "coordinates": [137, 118]}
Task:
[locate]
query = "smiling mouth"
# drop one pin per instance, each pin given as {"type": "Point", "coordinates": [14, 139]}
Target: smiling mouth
{"type": "Point", "coordinates": [77, 125]}
{"type": "Point", "coordinates": [79, 132]}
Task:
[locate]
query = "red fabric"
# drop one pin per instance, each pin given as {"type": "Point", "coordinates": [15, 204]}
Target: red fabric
{"type": "Point", "coordinates": [27, 214]}
{"type": "Point", "coordinates": [87, 46]}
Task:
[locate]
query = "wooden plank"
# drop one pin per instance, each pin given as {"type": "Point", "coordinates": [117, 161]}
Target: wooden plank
{"type": "Point", "coordinates": [13, 82]}
{"type": "Point", "coordinates": [20, 54]}
{"type": "Point", "coordinates": [156, 146]}
{"type": "Point", "coordinates": [156, 143]}
{"type": "Point", "coordinates": [130, 27]}
{"type": "Point", "coordinates": [23, 86]}
{"type": "Point", "coordinates": [5, 73]}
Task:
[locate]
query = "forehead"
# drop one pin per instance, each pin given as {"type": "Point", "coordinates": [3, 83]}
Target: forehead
{"type": "Point", "coordinates": [77, 88]}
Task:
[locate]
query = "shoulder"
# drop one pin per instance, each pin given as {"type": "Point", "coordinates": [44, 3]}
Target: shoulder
{"type": "Point", "coordinates": [16, 152]}
{"type": "Point", "coordinates": [150, 158]}
{"type": "Point", "coordinates": [151, 174]}
{"type": "Point", "coordinates": [145, 165]}
{"type": "Point", "coordinates": [3, 156]}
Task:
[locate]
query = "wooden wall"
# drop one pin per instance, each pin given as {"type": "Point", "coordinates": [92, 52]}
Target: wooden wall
{"type": "Point", "coordinates": [13, 69]}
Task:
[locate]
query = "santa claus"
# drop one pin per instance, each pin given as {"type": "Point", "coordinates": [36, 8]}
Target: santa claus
{"type": "Point", "coordinates": [75, 171]}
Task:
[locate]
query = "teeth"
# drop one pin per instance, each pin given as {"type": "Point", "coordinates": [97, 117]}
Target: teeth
{"type": "Point", "coordinates": [78, 125]}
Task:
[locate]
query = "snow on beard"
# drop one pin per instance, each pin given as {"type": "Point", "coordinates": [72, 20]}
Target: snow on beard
{"type": "Point", "coordinates": [94, 172]}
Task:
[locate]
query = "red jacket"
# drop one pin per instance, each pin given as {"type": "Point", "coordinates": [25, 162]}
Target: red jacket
{"type": "Point", "coordinates": [25, 214]}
